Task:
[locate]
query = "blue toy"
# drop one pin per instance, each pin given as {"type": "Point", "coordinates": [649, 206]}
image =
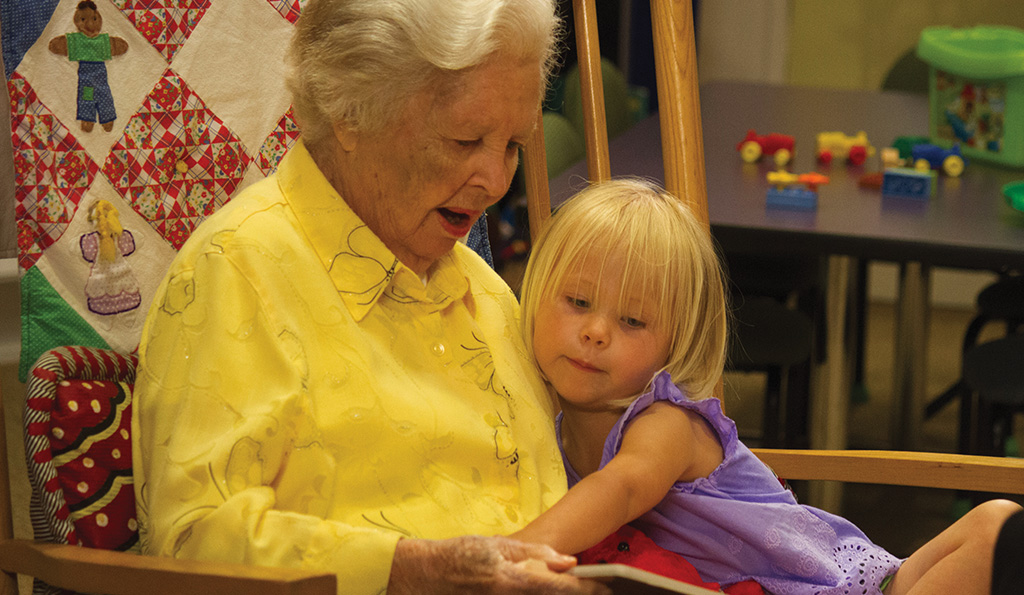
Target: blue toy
{"type": "Point", "coordinates": [782, 196]}
{"type": "Point", "coordinates": [792, 198]}
{"type": "Point", "coordinates": [907, 183]}
{"type": "Point", "coordinates": [950, 161]}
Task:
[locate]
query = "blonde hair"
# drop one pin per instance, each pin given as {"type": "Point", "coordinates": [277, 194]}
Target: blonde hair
{"type": "Point", "coordinates": [669, 256]}
{"type": "Point", "coordinates": [358, 62]}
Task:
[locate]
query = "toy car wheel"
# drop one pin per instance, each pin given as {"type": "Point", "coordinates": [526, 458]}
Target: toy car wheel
{"type": "Point", "coordinates": [782, 157]}
{"type": "Point", "coordinates": [953, 165]}
{"type": "Point", "coordinates": [750, 151]}
{"type": "Point", "coordinates": [825, 157]}
{"type": "Point", "coordinates": [922, 165]}
{"type": "Point", "coordinates": [858, 155]}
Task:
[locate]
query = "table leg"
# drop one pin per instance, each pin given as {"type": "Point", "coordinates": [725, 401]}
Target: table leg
{"type": "Point", "coordinates": [830, 409]}
{"type": "Point", "coordinates": [910, 355]}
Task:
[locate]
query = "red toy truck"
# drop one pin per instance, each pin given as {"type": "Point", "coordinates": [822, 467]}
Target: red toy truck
{"type": "Point", "coordinates": [754, 146]}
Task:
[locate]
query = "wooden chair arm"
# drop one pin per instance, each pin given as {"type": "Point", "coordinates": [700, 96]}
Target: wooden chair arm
{"type": "Point", "coordinates": [920, 469]}
{"type": "Point", "coordinates": [121, 573]}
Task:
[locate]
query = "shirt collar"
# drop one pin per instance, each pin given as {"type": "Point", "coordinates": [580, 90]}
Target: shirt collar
{"type": "Point", "coordinates": [361, 267]}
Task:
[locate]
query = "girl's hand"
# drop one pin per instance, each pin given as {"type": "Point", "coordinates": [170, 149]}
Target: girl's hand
{"type": "Point", "coordinates": [490, 565]}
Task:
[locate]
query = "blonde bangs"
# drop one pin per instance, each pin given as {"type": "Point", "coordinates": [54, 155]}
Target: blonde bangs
{"type": "Point", "coordinates": [670, 269]}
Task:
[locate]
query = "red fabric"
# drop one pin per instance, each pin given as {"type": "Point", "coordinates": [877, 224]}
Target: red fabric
{"type": "Point", "coordinates": [631, 547]}
{"type": "Point", "coordinates": [91, 446]}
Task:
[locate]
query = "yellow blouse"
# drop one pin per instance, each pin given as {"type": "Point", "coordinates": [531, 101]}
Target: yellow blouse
{"type": "Point", "coordinates": [304, 400]}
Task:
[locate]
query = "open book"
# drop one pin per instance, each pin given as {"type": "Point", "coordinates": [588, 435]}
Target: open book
{"type": "Point", "coordinates": [627, 580]}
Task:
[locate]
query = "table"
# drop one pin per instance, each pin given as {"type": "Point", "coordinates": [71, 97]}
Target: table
{"type": "Point", "coordinates": [966, 224]}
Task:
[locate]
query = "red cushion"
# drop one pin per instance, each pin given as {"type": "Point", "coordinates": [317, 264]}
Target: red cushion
{"type": "Point", "coordinates": [90, 442]}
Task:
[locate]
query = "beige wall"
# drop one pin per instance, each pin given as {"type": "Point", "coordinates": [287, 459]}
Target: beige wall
{"type": "Point", "coordinates": [853, 43]}
{"type": "Point", "coordinates": [742, 40]}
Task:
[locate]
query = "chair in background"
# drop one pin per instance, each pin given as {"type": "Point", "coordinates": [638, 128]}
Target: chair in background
{"type": "Point", "coordinates": [770, 338]}
{"type": "Point", "coordinates": [683, 154]}
{"type": "Point", "coordinates": [909, 74]}
{"type": "Point", "coordinates": [777, 309]}
{"type": "Point", "coordinates": [988, 370]}
{"type": "Point", "coordinates": [994, 373]}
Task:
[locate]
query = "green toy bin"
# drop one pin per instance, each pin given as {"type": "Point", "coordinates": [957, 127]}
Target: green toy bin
{"type": "Point", "coordinates": [976, 90]}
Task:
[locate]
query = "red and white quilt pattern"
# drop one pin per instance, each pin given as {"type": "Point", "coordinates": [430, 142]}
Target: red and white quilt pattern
{"type": "Point", "coordinates": [202, 112]}
{"type": "Point", "coordinates": [177, 162]}
{"type": "Point", "coordinates": [278, 143]}
{"type": "Point", "coordinates": [289, 9]}
{"type": "Point", "coordinates": [165, 24]}
{"type": "Point", "coordinates": [51, 170]}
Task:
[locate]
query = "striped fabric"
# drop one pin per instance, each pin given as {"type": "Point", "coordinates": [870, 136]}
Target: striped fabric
{"type": "Point", "coordinates": [50, 462]}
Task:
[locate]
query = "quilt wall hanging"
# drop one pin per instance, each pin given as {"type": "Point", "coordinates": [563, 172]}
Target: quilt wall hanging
{"type": "Point", "coordinates": [132, 121]}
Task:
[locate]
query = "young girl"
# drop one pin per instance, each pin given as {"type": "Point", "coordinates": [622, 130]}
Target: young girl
{"type": "Point", "coordinates": [624, 307]}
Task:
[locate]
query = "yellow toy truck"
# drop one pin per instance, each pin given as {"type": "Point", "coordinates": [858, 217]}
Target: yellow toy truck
{"type": "Point", "coordinates": [837, 145]}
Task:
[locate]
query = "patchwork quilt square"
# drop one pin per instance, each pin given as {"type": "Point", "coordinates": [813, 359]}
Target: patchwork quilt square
{"type": "Point", "coordinates": [184, 108]}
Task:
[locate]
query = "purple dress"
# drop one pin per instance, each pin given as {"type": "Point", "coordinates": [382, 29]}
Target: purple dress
{"type": "Point", "coordinates": [740, 522]}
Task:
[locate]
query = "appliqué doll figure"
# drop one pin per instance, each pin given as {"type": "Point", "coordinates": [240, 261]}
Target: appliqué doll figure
{"type": "Point", "coordinates": [91, 49]}
{"type": "Point", "coordinates": [111, 287]}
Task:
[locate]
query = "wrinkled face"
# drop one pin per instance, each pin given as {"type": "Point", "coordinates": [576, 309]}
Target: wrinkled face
{"type": "Point", "coordinates": [422, 182]}
{"type": "Point", "coordinates": [88, 21]}
{"type": "Point", "coordinates": [590, 349]}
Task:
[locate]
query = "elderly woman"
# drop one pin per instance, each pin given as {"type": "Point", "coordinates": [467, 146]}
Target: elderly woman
{"type": "Point", "coordinates": [330, 380]}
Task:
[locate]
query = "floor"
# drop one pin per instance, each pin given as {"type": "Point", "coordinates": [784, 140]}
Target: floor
{"type": "Point", "coordinates": [898, 518]}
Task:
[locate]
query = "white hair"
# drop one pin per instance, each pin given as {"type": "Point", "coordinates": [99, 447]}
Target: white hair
{"type": "Point", "coordinates": [357, 62]}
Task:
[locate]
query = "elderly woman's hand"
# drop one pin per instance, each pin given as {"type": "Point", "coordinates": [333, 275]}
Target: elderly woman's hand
{"type": "Point", "coordinates": [475, 564]}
